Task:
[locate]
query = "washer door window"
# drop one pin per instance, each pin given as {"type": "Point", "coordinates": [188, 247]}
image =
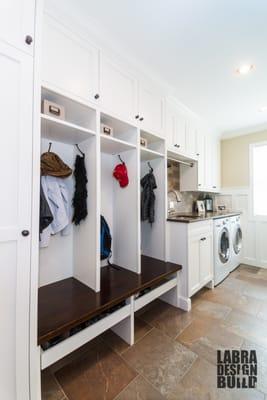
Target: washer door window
{"type": "Point", "coordinates": [224, 246]}
{"type": "Point", "coordinates": [238, 240]}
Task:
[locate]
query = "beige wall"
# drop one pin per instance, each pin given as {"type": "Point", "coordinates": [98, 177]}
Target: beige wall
{"type": "Point", "coordinates": [235, 159]}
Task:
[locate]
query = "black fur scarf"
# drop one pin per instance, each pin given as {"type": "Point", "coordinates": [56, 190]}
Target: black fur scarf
{"type": "Point", "coordinates": [79, 201]}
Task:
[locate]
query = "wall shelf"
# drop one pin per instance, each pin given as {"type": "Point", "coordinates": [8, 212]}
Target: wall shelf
{"type": "Point", "coordinates": [111, 145]}
{"type": "Point", "coordinates": [58, 130]}
{"type": "Point", "coordinates": [148, 154]}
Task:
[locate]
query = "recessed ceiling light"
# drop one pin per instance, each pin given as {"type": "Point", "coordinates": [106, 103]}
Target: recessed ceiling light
{"type": "Point", "coordinates": [263, 109]}
{"type": "Point", "coordinates": [244, 69]}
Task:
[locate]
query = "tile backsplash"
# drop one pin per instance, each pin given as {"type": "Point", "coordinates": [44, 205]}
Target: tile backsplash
{"type": "Point", "coordinates": [187, 198]}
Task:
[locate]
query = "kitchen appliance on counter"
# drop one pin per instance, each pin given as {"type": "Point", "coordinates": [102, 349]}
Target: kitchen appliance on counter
{"type": "Point", "coordinates": [208, 204]}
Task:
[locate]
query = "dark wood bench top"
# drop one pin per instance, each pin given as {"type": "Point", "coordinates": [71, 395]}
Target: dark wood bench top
{"type": "Point", "coordinates": [68, 303]}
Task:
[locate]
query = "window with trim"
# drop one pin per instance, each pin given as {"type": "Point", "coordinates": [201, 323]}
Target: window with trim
{"type": "Point", "coordinates": [258, 179]}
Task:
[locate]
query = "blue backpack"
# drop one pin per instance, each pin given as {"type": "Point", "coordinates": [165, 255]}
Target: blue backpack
{"type": "Point", "coordinates": [105, 240]}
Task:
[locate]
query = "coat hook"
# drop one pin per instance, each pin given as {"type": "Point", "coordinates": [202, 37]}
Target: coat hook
{"type": "Point", "coordinates": [151, 169]}
{"type": "Point", "coordinates": [121, 159]}
{"type": "Point", "coordinates": [49, 147]}
{"type": "Point", "coordinates": [82, 153]}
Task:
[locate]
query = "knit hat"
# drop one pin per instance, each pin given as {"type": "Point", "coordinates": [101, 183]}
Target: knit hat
{"type": "Point", "coordinates": [121, 174]}
{"type": "Point", "coordinates": [51, 164]}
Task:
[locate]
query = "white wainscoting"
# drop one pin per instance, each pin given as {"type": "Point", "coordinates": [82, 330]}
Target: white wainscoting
{"type": "Point", "coordinates": [254, 232]}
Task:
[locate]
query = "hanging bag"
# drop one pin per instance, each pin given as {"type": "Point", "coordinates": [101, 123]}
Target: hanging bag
{"type": "Point", "coordinates": [105, 240]}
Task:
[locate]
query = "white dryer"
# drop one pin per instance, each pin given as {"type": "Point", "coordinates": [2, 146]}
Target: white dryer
{"type": "Point", "coordinates": [222, 249]}
{"type": "Point", "coordinates": [236, 242]}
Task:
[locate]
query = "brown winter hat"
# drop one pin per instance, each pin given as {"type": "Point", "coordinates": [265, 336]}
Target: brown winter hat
{"type": "Point", "coordinates": [51, 164]}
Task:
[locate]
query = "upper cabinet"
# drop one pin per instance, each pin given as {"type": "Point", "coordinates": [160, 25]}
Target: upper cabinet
{"type": "Point", "coordinates": [69, 64]}
{"type": "Point", "coordinates": [180, 129]}
{"type": "Point", "coordinates": [150, 109]}
{"type": "Point", "coordinates": [17, 23]}
{"type": "Point", "coordinates": [118, 90]}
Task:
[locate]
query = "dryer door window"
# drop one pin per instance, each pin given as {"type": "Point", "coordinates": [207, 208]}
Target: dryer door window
{"type": "Point", "coordinates": [224, 246]}
{"type": "Point", "coordinates": [238, 241]}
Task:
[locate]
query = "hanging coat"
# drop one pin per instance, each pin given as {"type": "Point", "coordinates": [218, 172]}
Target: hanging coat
{"type": "Point", "coordinates": [79, 200]}
{"type": "Point", "coordinates": [148, 183]}
{"type": "Point", "coordinates": [46, 216]}
{"type": "Point", "coordinates": [56, 194]}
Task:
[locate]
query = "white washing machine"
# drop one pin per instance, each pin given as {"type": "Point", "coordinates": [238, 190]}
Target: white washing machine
{"type": "Point", "coordinates": [236, 242]}
{"type": "Point", "coordinates": [222, 249]}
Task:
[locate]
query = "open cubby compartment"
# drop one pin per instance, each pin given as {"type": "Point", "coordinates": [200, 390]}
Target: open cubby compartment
{"type": "Point", "coordinates": [120, 206]}
{"type": "Point", "coordinates": [155, 143]}
{"type": "Point", "coordinates": [79, 117]}
{"type": "Point", "coordinates": [121, 130]}
{"type": "Point", "coordinates": [153, 235]}
{"type": "Point", "coordinates": [75, 254]}
{"type": "Point", "coordinates": [118, 318]}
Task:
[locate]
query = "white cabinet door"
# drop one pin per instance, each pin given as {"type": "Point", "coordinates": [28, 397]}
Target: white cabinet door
{"type": "Point", "coordinates": [201, 156]}
{"type": "Point", "coordinates": [16, 72]}
{"type": "Point", "coordinates": [215, 165]}
{"type": "Point", "coordinates": [191, 135]}
{"type": "Point", "coordinates": [150, 106]}
{"type": "Point", "coordinates": [69, 63]}
{"type": "Point", "coordinates": [206, 257]}
{"type": "Point", "coordinates": [170, 123]}
{"type": "Point", "coordinates": [180, 132]}
{"type": "Point", "coordinates": [193, 264]}
{"type": "Point", "coordinates": [17, 22]}
{"type": "Point", "coordinates": [117, 90]}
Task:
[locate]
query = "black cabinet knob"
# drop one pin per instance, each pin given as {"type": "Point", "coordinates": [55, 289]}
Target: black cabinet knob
{"type": "Point", "coordinates": [25, 233]}
{"type": "Point", "coordinates": [177, 145]}
{"type": "Point", "coordinates": [97, 96]}
{"type": "Point", "coordinates": [214, 187]}
{"type": "Point", "coordinates": [199, 184]}
{"type": "Point", "coordinates": [137, 116]}
{"type": "Point", "coordinates": [141, 119]}
{"type": "Point", "coordinates": [28, 39]}
{"type": "Point", "coordinates": [197, 154]}
{"type": "Point", "coordinates": [203, 239]}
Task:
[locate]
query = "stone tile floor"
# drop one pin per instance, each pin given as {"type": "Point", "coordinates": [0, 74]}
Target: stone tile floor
{"type": "Point", "coordinates": [174, 356]}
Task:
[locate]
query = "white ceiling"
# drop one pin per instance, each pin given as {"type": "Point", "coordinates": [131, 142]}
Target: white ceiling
{"type": "Point", "coordinates": [195, 46]}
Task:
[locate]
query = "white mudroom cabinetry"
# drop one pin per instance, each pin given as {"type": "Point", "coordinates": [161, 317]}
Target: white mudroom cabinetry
{"type": "Point", "coordinates": [150, 109]}
{"type": "Point", "coordinates": [70, 64]}
{"type": "Point", "coordinates": [17, 23]}
{"type": "Point", "coordinates": [118, 90]}
{"type": "Point", "coordinates": [191, 245]}
{"type": "Point", "coordinates": [16, 102]}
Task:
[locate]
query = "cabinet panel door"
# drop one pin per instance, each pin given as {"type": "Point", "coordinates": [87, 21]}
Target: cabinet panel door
{"type": "Point", "coordinates": [215, 166]}
{"type": "Point", "coordinates": [193, 264]}
{"type": "Point", "coordinates": [180, 131]}
{"type": "Point", "coordinates": [16, 22]}
{"type": "Point", "coordinates": [16, 72]}
{"type": "Point", "coordinates": [117, 90]}
{"type": "Point", "coordinates": [201, 156]}
{"type": "Point", "coordinates": [151, 110]}
{"type": "Point", "coordinates": [69, 63]}
{"type": "Point", "coordinates": [206, 256]}
{"type": "Point", "coordinates": [170, 123]}
{"type": "Point", "coordinates": [191, 135]}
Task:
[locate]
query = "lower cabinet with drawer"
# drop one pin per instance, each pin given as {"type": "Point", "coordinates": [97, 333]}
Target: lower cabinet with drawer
{"type": "Point", "coordinates": [191, 245]}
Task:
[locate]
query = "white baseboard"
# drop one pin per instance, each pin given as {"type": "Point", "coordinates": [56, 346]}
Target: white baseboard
{"type": "Point", "coordinates": [184, 303]}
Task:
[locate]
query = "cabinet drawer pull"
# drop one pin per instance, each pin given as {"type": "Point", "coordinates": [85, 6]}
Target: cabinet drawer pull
{"type": "Point", "coordinates": [137, 116]}
{"type": "Point", "coordinates": [97, 96]}
{"type": "Point", "coordinates": [203, 239]}
{"type": "Point", "coordinates": [214, 187]}
{"type": "Point", "coordinates": [197, 154]}
{"type": "Point", "coordinates": [141, 119]}
{"type": "Point", "coordinates": [177, 145]}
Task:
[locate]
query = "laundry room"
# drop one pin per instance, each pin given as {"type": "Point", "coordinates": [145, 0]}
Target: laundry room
{"type": "Point", "coordinates": [133, 226]}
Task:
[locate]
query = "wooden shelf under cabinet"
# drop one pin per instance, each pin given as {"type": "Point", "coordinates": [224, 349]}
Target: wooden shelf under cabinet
{"type": "Point", "coordinates": [66, 304]}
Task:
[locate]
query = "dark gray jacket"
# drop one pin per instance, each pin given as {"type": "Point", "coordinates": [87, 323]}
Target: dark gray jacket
{"type": "Point", "coordinates": [148, 183]}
